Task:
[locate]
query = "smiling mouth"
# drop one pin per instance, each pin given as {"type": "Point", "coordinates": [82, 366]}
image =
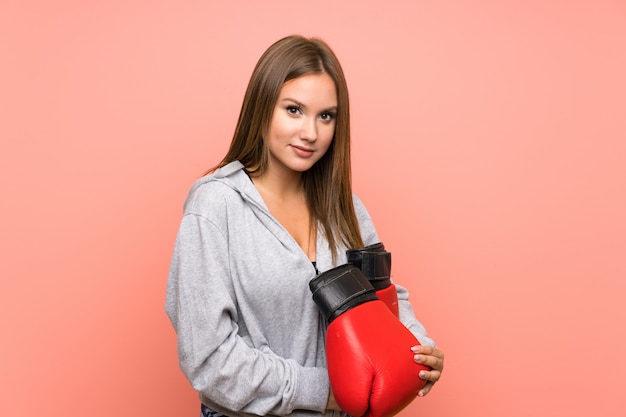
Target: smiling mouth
{"type": "Point", "coordinates": [303, 152]}
{"type": "Point", "coordinates": [302, 149]}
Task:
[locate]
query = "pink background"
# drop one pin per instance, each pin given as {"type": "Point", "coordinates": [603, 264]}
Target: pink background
{"type": "Point", "coordinates": [489, 146]}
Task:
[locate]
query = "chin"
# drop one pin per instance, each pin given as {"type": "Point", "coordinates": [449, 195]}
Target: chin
{"type": "Point", "coordinates": [301, 166]}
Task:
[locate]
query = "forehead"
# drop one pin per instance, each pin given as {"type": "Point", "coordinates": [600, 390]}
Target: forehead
{"type": "Point", "coordinates": [311, 89]}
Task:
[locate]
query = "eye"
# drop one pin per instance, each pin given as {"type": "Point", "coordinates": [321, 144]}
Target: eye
{"type": "Point", "coordinates": [328, 116]}
{"type": "Point", "coordinates": [294, 110]}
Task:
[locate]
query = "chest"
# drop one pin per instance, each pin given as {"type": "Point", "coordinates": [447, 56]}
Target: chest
{"type": "Point", "coordinates": [294, 216]}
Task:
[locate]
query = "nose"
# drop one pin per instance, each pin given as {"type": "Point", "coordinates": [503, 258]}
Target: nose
{"type": "Point", "coordinates": [309, 129]}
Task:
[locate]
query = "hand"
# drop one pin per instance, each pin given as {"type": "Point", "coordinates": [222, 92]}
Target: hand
{"type": "Point", "coordinates": [432, 357]}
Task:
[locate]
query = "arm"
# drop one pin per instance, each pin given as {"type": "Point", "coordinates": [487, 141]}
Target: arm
{"type": "Point", "coordinates": [407, 316]}
{"type": "Point", "coordinates": [218, 362]}
{"type": "Point", "coordinates": [427, 354]}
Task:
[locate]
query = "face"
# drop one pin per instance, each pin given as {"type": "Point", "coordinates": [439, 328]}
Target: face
{"type": "Point", "coordinates": [303, 123]}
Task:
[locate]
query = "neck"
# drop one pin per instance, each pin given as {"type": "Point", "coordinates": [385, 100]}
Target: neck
{"type": "Point", "coordinates": [280, 184]}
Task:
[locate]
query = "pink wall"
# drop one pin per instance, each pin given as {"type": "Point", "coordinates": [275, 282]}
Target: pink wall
{"type": "Point", "coordinates": [490, 147]}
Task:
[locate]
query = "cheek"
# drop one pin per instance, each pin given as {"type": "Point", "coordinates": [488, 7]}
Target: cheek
{"type": "Point", "coordinates": [282, 126]}
{"type": "Point", "coordinates": [327, 140]}
{"type": "Point", "coordinates": [327, 133]}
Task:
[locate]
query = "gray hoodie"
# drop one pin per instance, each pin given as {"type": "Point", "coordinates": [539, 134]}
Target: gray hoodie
{"type": "Point", "coordinates": [250, 337]}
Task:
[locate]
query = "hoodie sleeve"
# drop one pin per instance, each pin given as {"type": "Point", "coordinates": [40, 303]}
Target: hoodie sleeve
{"type": "Point", "coordinates": [407, 315]}
{"type": "Point", "coordinates": [218, 362]}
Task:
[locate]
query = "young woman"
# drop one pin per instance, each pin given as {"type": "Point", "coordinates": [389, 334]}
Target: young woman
{"type": "Point", "coordinates": [275, 212]}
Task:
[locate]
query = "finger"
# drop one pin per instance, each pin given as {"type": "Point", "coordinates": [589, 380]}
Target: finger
{"type": "Point", "coordinates": [426, 389]}
{"type": "Point", "coordinates": [430, 376]}
{"type": "Point", "coordinates": [431, 361]}
{"type": "Point", "coordinates": [428, 350]}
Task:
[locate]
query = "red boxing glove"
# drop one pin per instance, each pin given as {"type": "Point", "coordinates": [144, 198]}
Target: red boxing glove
{"type": "Point", "coordinates": [368, 350]}
{"type": "Point", "coordinates": [375, 263]}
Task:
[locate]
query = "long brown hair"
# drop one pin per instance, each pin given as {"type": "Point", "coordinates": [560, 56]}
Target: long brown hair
{"type": "Point", "coordinates": [327, 184]}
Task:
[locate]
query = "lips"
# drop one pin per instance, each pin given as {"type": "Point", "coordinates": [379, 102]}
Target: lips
{"type": "Point", "coordinates": [302, 151]}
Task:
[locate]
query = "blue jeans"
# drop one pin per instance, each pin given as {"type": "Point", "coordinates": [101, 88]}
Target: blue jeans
{"type": "Point", "coordinates": [207, 412]}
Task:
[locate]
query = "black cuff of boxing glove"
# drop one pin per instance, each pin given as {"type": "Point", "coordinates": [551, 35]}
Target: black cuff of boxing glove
{"type": "Point", "coordinates": [339, 290]}
{"type": "Point", "coordinates": [355, 256]}
{"type": "Point", "coordinates": [376, 266]}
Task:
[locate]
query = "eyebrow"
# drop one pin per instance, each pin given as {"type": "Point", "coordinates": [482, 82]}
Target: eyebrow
{"type": "Point", "coordinates": [296, 102]}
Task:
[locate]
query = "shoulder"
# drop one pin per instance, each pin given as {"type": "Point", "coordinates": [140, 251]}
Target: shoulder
{"type": "Point", "coordinates": [368, 231]}
{"type": "Point", "coordinates": [361, 211]}
{"type": "Point", "coordinates": [358, 204]}
{"type": "Point", "coordinates": [214, 193]}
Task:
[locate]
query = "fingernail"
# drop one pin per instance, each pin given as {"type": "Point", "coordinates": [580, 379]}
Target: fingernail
{"type": "Point", "coordinates": [417, 358]}
{"type": "Point", "coordinates": [415, 349]}
{"type": "Point", "coordinates": [423, 374]}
